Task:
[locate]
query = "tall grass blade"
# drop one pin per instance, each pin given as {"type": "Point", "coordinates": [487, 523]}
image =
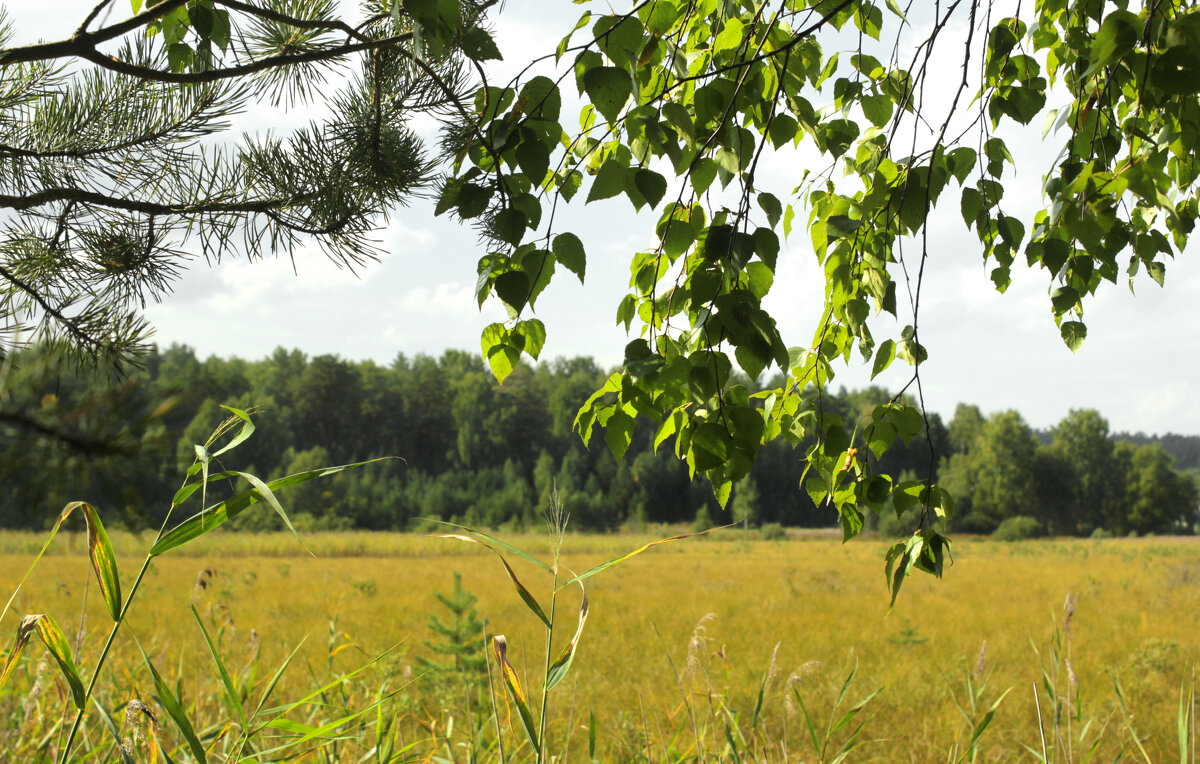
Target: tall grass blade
{"type": "Point", "coordinates": [175, 710]}
{"type": "Point", "coordinates": [591, 734]}
{"type": "Point", "coordinates": [60, 649]}
{"type": "Point", "coordinates": [111, 726]}
{"type": "Point", "coordinates": [24, 629]}
{"type": "Point", "coordinates": [1128, 719]}
{"type": "Point", "coordinates": [561, 665]}
{"type": "Point", "coordinates": [217, 515]}
{"type": "Point", "coordinates": [525, 595]}
{"type": "Point", "coordinates": [104, 562]}
{"type": "Point", "coordinates": [988, 715]}
{"type": "Point", "coordinates": [233, 699]}
{"type": "Point", "coordinates": [265, 490]}
{"type": "Point", "coordinates": [515, 692]}
{"type": "Point", "coordinates": [1183, 720]}
{"type": "Point", "coordinates": [62, 516]}
{"type": "Point", "coordinates": [246, 430]}
{"type": "Point", "coordinates": [308, 732]}
{"type": "Point", "coordinates": [52, 637]}
{"type": "Point", "coordinates": [274, 681]}
{"type": "Point", "coordinates": [854, 711]}
{"type": "Point", "coordinates": [279, 711]}
{"type": "Point", "coordinates": [1037, 703]}
{"type": "Point", "coordinates": [495, 542]}
{"type": "Point", "coordinates": [762, 694]}
{"type": "Point", "coordinates": [809, 724]}
{"type": "Point", "coordinates": [639, 550]}
{"type": "Point", "coordinates": [185, 491]}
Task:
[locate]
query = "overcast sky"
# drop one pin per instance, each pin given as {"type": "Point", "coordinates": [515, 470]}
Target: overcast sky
{"type": "Point", "coordinates": [1138, 365]}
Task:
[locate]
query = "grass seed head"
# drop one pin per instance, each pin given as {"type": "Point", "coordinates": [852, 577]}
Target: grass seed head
{"type": "Point", "coordinates": [1069, 609]}
{"type": "Point", "coordinates": [137, 714]}
{"type": "Point", "coordinates": [981, 660]}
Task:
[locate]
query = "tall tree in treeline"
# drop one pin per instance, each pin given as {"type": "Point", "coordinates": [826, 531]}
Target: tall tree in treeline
{"type": "Point", "coordinates": [1096, 476]}
{"type": "Point", "coordinates": [499, 462]}
{"type": "Point", "coordinates": [108, 188]}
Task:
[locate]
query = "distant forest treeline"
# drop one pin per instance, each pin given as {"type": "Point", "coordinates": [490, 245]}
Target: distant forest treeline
{"type": "Point", "coordinates": [484, 454]}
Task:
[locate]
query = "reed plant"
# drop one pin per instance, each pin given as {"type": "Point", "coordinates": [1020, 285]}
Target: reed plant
{"type": "Point", "coordinates": [255, 725]}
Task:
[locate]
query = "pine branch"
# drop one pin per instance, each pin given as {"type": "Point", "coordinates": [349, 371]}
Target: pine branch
{"type": "Point", "coordinates": [81, 444]}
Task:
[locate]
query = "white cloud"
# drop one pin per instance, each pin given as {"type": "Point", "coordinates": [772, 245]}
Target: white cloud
{"type": "Point", "coordinates": [1000, 351]}
{"type": "Point", "coordinates": [451, 299]}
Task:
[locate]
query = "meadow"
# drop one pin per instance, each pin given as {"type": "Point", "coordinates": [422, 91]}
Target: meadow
{"type": "Point", "coordinates": [720, 648]}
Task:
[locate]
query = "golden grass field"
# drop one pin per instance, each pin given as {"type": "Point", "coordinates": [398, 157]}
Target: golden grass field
{"type": "Point", "coordinates": [825, 604]}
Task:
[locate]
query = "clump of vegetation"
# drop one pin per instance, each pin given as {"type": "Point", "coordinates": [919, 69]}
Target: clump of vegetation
{"type": "Point", "coordinates": [1019, 528]}
{"type": "Point", "coordinates": [772, 532]}
{"type": "Point", "coordinates": [77, 733]}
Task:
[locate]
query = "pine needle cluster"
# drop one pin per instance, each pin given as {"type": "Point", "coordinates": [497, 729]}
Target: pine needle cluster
{"type": "Point", "coordinates": [118, 167]}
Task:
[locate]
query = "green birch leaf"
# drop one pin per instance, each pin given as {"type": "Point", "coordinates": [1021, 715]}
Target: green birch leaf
{"type": "Point", "coordinates": [568, 250]}
{"type": "Point", "coordinates": [651, 185]}
{"type": "Point", "coordinates": [608, 89]}
{"type": "Point", "coordinates": [534, 332]}
{"type": "Point", "coordinates": [1073, 333]}
{"type": "Point", "coordinates": [1117, 36]}
{"type": "Point", "coordinates": [510, 226]}
{"type": "Point", "coordinates": [618, 433]}
{"type": "Point", "coordinates": [478, 45]}
{"type": "Point", "coordinates": [883, 357]}
{"type": "Point", "coordinates": [513, 288]}
{"type": "Point", "coordinates": [609, 182]}
{"type": "Point", "coordinates": [570, 184]}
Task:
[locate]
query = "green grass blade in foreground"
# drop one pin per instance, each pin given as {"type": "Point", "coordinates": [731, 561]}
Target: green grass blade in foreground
{"type": "Point", "coordinates": [279, 711]}
{"type": "Point", "coordinates": [270, 688]}
{"type": "Point", "coordinates": [111, 726]}
{"type": "Point", "coordinates": [1183, 726]}
{"type": "Point", "coordinates": [185, 492]}
{"type": "Point", "coordinates": [762, 691]}
{"type": "Point", "coordinates": [309, 732]}
{"type": "Point", "coordinates": [265, 491]}
{"type": "Point", "coordinates": [808, 722]}
{"type": "Point", "coordinates": [639, 550]}
{"type": "Point", "coordinates": [52, 637]}
{"type": "Point", "coordinates": [516, 692]}
{"type": "Point", "coordinates": [246, 430]}
{"type": "Point", "coordinates": [497, 542]}
{"type": "Point", "coordinates": [62, 516]}
{"type": "Point", "coordinates": [60, 650]}
{"type": "Point", "coordinates": [104, 562]}
{"type": "Point", "coordinates": [525, 595]}
{"type": "Point", "coordinates": [990, 714]}
{"type": "Point", "coordinates": [208, 519]}
{"type": "Point", "coordinates": [591, 733]}
{"type": "Point", "coordinates": [560, 667]}
{"type": "Point", "coordinates": [175, 710]}
{"type": "Point", "coordinates": [231, 694]}
{"type": "Point", "coordinates": [1127, 718]}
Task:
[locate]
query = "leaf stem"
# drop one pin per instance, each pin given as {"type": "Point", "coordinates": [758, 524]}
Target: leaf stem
{"type": "Point", "coordinates": [112, 634]}
{"type": "Point", "coordinates": [549, 655]}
